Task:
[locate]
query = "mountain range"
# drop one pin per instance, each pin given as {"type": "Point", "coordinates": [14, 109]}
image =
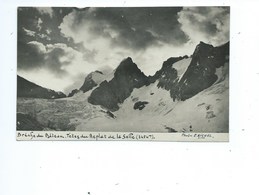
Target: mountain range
{"type": "Point", "coordinates": [127, 96]}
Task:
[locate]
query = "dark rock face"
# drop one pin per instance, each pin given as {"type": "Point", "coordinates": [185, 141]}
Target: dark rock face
{"type": "Point", "coordinates": [109, 114]}
{"type": "Point", "coordinates": [73, 92]}
{"type": "Point", "coordinates": [199, 75]}
{"type": "Point", "coordinates": [167, 75]}
{"type": "Point", "coordinates": [140, 105]}
{"type": "Point", "coordinates": [28, 89]}
{"type": "Point", "coordinates": [27, 122]}
{"type": "Point", "coordinates": [126, 77]}
{"type": "Point", "coordinates": [89, 82]}
{"type": "Point", "coordinates": [201, 71]}
{"type": "Point", "coordinates": [170, 129]}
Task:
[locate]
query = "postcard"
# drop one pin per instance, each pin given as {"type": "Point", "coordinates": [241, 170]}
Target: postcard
{"type": "Point", "coordinates": [123, 73]}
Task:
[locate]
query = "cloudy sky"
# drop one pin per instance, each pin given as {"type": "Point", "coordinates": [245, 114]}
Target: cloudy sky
{"type": "Point", "coordinates": [58, 47]}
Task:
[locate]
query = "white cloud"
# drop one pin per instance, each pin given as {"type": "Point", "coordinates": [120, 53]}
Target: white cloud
{"type": "Point", "coordinates": [34, 34]}
{"type": "Point", "coordinates": [45, 10]}
{"type": "Point", "coordinates": [48, 31]}
{"type": "Point", "coordinates": [39, 46]}
{"type": "Point", "coordinates": [151, 60]}
{"type": "Point", "coordinates": [105, 54]}
{"type": "Point", "coordinates": [29, 32]}
{"type": "Point", "coordinates": [208, 24]}
{"type": "Point", "coordinates": [43, 36]}
{"type": "Point", "coordinates": [39, 23]}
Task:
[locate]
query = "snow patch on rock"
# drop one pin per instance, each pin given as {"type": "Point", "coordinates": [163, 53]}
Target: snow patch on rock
{"type": "Point", "coordinates": [181, 66]}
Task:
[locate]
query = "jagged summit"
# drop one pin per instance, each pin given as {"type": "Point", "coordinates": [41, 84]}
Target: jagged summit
{"type": "Point", "coordinates": [92, 80]}
{"type": "Point", "coordinates": [127, 76]}
{"type": "Point", "coordinates": [128, 68]}
{"type": "Point", "coordinates": [201, 72]}
{"type": "Point", "coordinates": [127, 60]}
{"type": "Point", "coordinates": [126, 64]}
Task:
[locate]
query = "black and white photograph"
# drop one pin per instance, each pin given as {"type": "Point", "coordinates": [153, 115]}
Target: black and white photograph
{"type": "Point", "coordinates": [161, 70]}
{"type": "Point", "coordinates": [129, 97]}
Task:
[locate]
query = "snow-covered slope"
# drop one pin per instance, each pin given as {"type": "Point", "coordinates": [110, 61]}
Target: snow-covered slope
{"type": "Point", "coordinates": [127, 118]}
{"type": "Point", "coordinates": [181, 66]}
{"type": "Point", "coordinates": [208, 111]}
{"type": "Point", "coordinates": [157, 101]}
{"type": "Point", "coordinates": [205, 112]}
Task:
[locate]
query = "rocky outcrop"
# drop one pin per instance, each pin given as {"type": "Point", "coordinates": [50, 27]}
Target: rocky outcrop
{"type": "Point", "coordinates": [201, 71]}
{"type": "Point", "coordinates": [91, 80]}
{"type": "Point", "coordinates": [140, 105]}
{"type": "Point", "coordinates": [167, 76]}
{"type": "Point", "coordinates": [200, 74]}
{"type": "Point", "coordinates": [27, 122]}
{"type": "Point", "coordinates": [110, 94]}
{"type": "Point", "coordinates": [73, 92]}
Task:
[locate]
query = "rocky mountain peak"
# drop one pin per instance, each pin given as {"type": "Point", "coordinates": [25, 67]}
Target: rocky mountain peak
{"type": "Point", "coordinates": [201, 71]}
{"type": "Point", "coordinates": [126, 77]}
{"type": "Point", "coordinates": [127, 67]}
{"type": "Point", "coordinates": [92, 80]}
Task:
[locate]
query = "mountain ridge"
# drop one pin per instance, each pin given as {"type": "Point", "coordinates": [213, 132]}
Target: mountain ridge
{"type": "Point", "coordinates": [199, 75]}
{"type": "Point", "coordinates": [29, 89]}
{"type": "Point", "coordinates": [182, 84]}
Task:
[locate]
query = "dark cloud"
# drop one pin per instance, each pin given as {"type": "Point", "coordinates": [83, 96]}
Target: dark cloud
{"type": "Point", "coordinates": [135, 28]}
{"type": "Point", "coordinates": [42, 21]}
{"type": "Point", "coordinates": [130, 33]}
{"type": "Point", "coordinates": [37, 28]}
{"type": "Point", "coordinates": [29, 57]}
{"type": "Point", "coordinates": [160, 21]}
{"type": "Point", "coordinates": [35, 55]}
{"type": "Point", "coordinates": [104, 36]}
{"type": "Point", "coordinates": [52, 60]}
